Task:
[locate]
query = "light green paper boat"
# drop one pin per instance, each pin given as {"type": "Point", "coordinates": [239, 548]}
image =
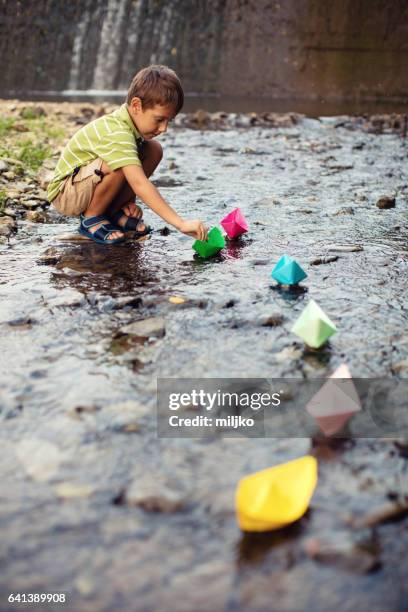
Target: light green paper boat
{"type": "Point", "coordinates": [314, 326]}
{"type": "Point", "coordinates": [214, 243]}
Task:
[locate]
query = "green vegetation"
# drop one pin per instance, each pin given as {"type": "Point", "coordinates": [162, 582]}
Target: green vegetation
{"type": "Point", "coordinates": [5, 125]}
{"type": "Point", "coordinates": [3, 198]}
{"type": "Point", "coordinates": [29, 113]}
{"type": "Point", "coordinates": [30, 137]}
{"type": "Point", "coordinates": [33, 155]}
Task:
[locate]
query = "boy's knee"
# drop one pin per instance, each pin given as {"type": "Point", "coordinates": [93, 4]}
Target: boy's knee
{"type": "Point", "coordinates": [154, 150]}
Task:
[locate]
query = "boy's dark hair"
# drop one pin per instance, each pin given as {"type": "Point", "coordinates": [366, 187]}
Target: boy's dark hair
{"type": "Point", "coordinates": [157, 84]}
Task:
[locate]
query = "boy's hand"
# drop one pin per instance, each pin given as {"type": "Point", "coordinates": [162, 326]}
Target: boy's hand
{"type": "Point", "coordinates": [195, 228]}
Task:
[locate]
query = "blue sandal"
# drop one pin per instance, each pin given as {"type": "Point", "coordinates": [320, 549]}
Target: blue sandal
{"type": "Point", "coordinates": [101, 235]}
{"type": "Point", "coordinates": [131, 224]}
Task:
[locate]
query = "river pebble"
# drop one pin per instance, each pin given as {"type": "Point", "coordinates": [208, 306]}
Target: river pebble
{"type": "Point", "coordinates": [147, 328]}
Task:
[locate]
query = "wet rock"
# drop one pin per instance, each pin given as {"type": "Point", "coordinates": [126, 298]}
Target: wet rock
{"type": "Point", "coordinates": [3, 166]}
{"type": "Point", "coordinates": [334, 168]}
{"type": "Point", "coordinates": [127, 301]}
{"type": "Point", "coordinates": [289, 353]}
{"type": "Point", "coordinates": [348, 210]}
{"type": "Point", "coordinates": [49, 258]}
{"type": "Point", "coordinates": [386, 513]}
{"type": "Point", "coordinates": [39, 458]}
{"type": "Point", "coordinates": [22, 187]}
{"type": "Point", "coordinates": [324, 260]}
{"type": "Point", "coordinates": [345, 552]}
{"type": "Point", "coordinates": [273, 320]}
{"type": "Point", "coordinates": [247, 151]}
{"type": "Point", "coordinates": [31, 203]}
{"type": "Point", "coordinates": [36, 216]}
{"type": "Point", "coordinates": [167, 181]}
{"type": "Point", "coordinates": [386, 202]}
{"type": "Point", "coordinates": [70, 490]}
{"type": "Point", "coordinates": [153, 493]}
{"type": "Point", "coordinates": [186, 587]}
{"type": "Point", "coordinates": [44, 177]}
{"type": "Point", "coordinates": [69, 297]}
{"type": "Point", "coordinates": [345, 248]}
{"type": "Point", "coordinates": [7, 226]}
{"type": "Point", "coordinates": [77, 412]}
{"type": "Point", "coordinates": [402, 446]}
{"type": "Point", "coordinates": [201, 118]}
{"type": "Point", "coordinates": [21, 322]}
{"type": "Point", "coordinates": [146, 328]}
{"type": "Point", "coordinates": [10, 212]}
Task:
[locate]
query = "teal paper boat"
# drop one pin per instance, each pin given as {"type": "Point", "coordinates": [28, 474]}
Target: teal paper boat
{"type": "Point", "coordinates": [213, 245]}
{"type": "Point", "coordinates": [288, 272]}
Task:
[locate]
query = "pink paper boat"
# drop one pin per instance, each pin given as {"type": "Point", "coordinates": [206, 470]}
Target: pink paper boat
{"type": "Point", "coordinates": [335, 402]}
{"type": "Point", "coordinates": [234, 223]}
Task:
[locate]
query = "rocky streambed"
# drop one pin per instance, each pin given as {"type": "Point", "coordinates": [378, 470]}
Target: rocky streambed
{"type": "Point", "coordinates": [94, 504]}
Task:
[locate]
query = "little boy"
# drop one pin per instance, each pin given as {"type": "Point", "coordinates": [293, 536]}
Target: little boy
{"type": "Point", "coordinates": [109, 161]}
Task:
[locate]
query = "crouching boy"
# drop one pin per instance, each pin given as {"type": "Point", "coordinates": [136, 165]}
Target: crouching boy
{"type": "Point", "coordinates": [109, 161]}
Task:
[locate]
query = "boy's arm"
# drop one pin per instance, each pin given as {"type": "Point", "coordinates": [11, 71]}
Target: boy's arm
{"type": "Point", "coordinates": [142, 187]}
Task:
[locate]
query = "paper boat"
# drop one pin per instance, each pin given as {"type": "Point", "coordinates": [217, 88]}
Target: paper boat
{"type": "Point", "coordinates": [277, 496]}
{"type": "Point", "coordinates": [314, 326]}
{"type": "Point", "coordinates": [335, 402]}
{"type": "Point", "coordinates": [214, 243]}
{"type": "Point", "coordinates": [288, 272]}
{"type": "Point", "coordinates": [234, 223]}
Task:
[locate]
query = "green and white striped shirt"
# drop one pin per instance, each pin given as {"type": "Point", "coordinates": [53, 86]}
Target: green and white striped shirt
{"type": "Point", "coordinates": [114, 138]}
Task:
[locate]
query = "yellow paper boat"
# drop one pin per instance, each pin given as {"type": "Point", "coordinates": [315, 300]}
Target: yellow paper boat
{"type": "Point", "coordinates": [277, 496]}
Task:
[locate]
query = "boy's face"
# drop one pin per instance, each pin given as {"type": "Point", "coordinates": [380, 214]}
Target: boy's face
{"type": "Point", "coordinates": [150, 122]}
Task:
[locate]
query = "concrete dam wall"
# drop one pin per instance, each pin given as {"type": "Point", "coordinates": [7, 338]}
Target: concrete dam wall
{"type": "Point", "coordinates": [312, 49]}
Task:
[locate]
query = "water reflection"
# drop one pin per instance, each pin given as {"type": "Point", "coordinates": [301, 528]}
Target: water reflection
{"type": "Point", "coordinates": [125, 271]}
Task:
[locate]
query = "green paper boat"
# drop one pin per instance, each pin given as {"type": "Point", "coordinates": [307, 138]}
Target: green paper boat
{"type": "Point", "coordinates": [314, 326]}
{"type": "Point", "coordinates": [214, 243]}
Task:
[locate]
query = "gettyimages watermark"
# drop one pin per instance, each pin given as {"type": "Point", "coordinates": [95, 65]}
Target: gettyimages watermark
{"type": "Point", "coordinates": [282, 408]}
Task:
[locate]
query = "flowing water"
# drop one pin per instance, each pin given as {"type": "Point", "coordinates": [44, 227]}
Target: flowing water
{"type": "Point", "coordinates": [68, 378]}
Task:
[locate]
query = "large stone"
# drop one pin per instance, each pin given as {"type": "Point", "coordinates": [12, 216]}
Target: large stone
{"type": "Point", "coordinates": [7, 226]}
{"type": "Point", "coordinates": [153, 493]}
{"type": "Point", "coordinates": [344, 551]}
{"type": "Point", "coordinates": [386, 202]}
{"type": "Point", "coordinates": [36, 216]}
{"type": "Point", "coordinates": [147, 328]}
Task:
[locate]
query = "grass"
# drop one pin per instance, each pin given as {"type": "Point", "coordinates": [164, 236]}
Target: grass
{"type": "Point", "coordinates": [3, 198]}
{"type": "Point", "coordinates": [33, 146]}
{"type": "Point", "coordinates": [33, 155]}
{"type": "Point", "coordinates": [5, 125]}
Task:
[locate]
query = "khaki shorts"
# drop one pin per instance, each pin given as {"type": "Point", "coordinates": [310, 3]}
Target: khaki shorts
{"type": "Point", "coordinates": [76, 191]}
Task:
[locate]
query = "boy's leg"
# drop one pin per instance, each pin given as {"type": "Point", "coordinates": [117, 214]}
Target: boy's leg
{"type": "Point", "coordinates": [113, 192]}
{"type": "Point", "coordinates": [104, 193]}
{"type": "Point", "coordinates": [152, 156]}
